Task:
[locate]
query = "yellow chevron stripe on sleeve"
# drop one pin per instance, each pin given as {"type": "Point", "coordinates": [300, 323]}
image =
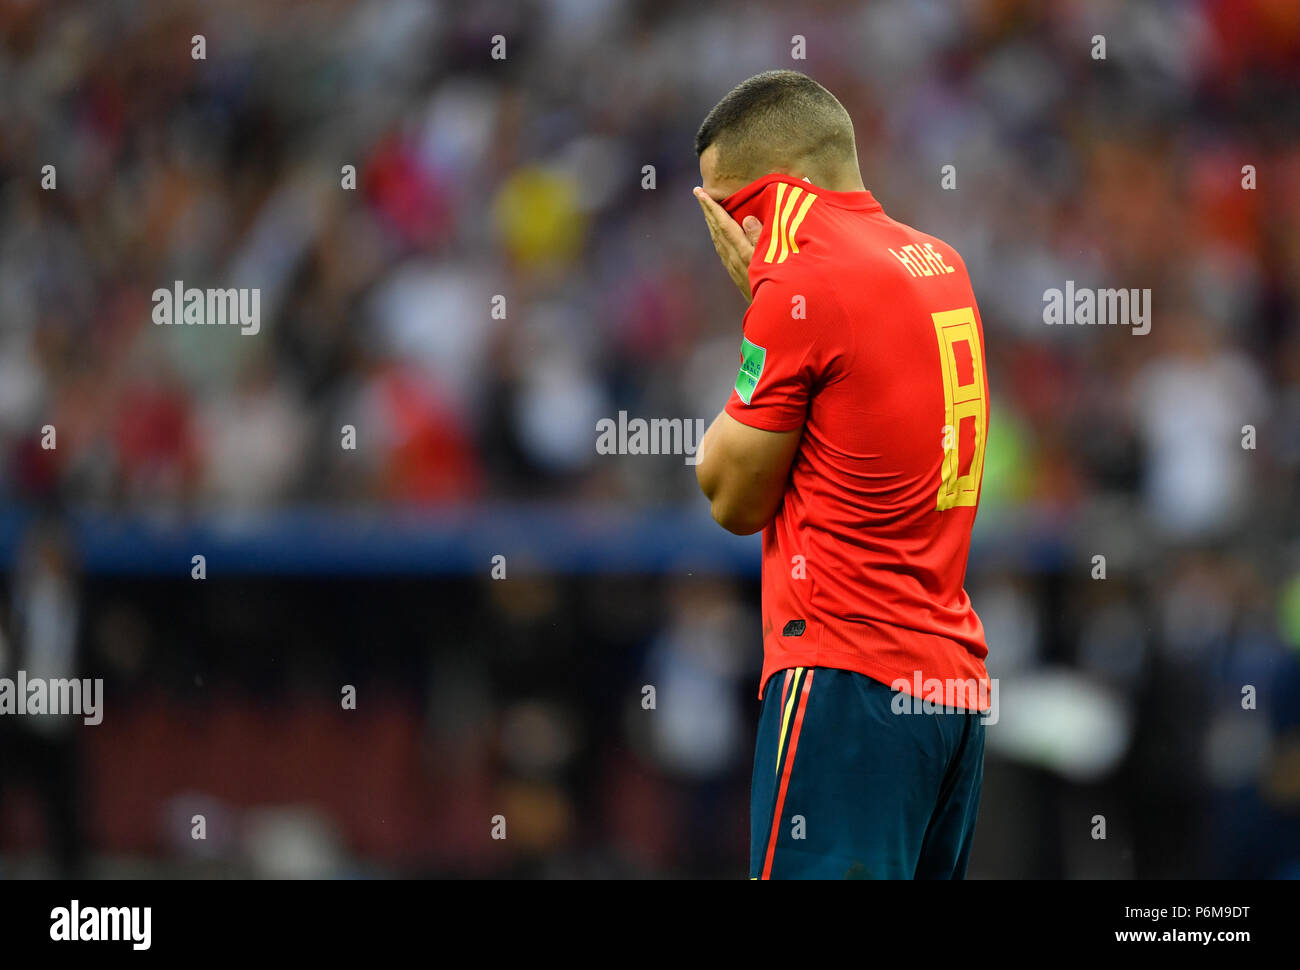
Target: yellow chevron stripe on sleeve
{"type": "Point", "coordinates": [790, 201]}
{"type": "Point", "coordinates": [798, 220]}
{"type": "Point", "coordinates": [776, 209]}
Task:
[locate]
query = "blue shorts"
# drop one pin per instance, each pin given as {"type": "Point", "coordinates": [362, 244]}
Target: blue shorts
{"type": "Point", "coordinates": [850, 784]}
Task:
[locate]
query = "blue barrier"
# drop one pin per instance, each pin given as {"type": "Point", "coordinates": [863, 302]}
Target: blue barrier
{"type": "Point", "coordinates": [443, 540]}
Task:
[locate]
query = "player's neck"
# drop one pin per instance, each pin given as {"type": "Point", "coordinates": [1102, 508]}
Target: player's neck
{"type": "Point", "coordinates": [844, 180]}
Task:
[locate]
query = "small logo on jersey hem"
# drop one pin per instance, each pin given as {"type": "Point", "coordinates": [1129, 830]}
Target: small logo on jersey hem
{"type": "Point", "coordinates": [795, 628]}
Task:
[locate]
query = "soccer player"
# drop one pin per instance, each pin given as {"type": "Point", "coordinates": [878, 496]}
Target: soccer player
{"type": "Point", "coordinates": [854, 439]}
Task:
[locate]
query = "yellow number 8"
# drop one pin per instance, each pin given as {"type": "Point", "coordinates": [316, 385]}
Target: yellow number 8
{"type": "Point", "coordinates": [964, 400]}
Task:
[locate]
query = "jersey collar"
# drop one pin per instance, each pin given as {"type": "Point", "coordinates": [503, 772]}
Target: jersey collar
{"type": "Point", "coordinates": [746, 201]}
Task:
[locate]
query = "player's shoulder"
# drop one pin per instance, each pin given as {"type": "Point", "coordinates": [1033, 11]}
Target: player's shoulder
{"type": "Point", "coordinates": [942, 245]}
{"type": "Point", "coordinates": [916, 253]}
{"type": "Point", "coordinates": [930, 240]}
{"type": "Point", "coordinates": [789, 215]}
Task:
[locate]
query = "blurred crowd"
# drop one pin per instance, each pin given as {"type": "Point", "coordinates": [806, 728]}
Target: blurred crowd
{"type": "Point", "coordinates": [382, 179]}
{"type": "Point", "coordinates": [471, 259]}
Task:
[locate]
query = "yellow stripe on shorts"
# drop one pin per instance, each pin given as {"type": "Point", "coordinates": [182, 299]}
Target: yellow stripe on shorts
{"type": "Point", "coordinates": [785, 717]}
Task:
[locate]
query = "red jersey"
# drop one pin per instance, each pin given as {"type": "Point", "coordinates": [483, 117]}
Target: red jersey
{"type": "Point", "coordinates": [864, 333]}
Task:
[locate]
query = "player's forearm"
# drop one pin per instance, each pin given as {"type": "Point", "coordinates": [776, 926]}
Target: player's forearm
{"type": "Point", "coordinates": [742, 499]}
{"type": "Point", "coordinates": [706, 472]}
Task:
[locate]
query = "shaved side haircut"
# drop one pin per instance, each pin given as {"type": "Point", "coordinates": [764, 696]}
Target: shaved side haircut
{"type": "Point", "coordinates": [774, 119]}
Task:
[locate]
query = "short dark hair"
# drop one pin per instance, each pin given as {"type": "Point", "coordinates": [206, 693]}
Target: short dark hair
{"type": "Point", "coordinates": [774, 118]}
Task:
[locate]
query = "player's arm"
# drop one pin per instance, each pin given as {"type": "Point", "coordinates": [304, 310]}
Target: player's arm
{"type": "Point", "coordinates": [743, 471]}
